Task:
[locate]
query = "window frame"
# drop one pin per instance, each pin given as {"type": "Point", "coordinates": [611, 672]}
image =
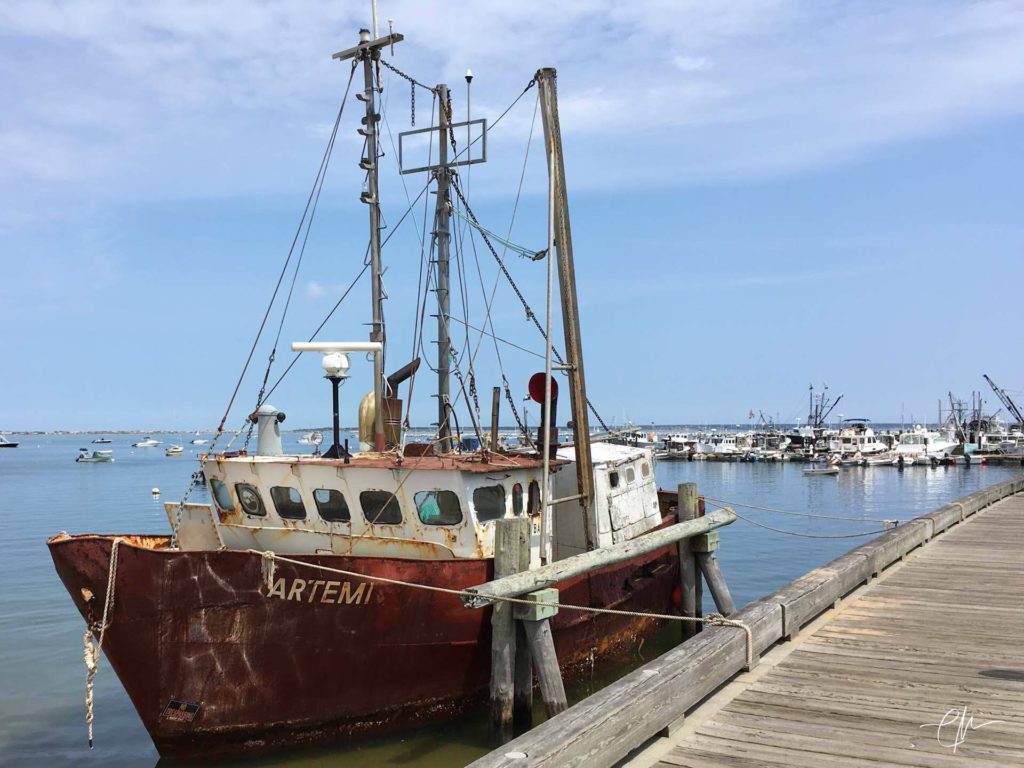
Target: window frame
{"type": "Point", "coordinates": [393, 501]}
{"type": "Point", "coordinates": [437, 493]}
{"type": "Point", "coordinates": [281, 505]}
{"type": "Point", "coordinates": [320, 506]}
{"type": "Point", "coordinates": [218, 486]}
{"type": "Point", "coordinates": [490, 489]}
{"type": "Point", "coordinates": [239, 486]}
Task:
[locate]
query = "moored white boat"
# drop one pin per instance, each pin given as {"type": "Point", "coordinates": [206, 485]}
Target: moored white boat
{"type": "Point", "coordinates": [174, 450]}
{"type": "Point", "coordinates": [148, 442]}
{"type": "Point", "coordinates": [96, 457]}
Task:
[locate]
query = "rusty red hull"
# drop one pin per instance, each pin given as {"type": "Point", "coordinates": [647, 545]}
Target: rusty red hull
{"type": "Point", "coordinates": [298, 661]}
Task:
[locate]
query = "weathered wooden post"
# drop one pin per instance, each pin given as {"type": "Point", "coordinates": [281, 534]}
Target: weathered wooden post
{"type": "Point", "coordinates": [535, 620]}
{"type": "Point", "coordinates": [508, 535]}
{"type": "Point", "coordinates": [689, 575]}
{"type": "Point", "coordinates": [704, 547]}
{"type": "Point", "coordinates": [522, 709]}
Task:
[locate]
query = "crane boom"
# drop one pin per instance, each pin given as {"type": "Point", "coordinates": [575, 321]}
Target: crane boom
{"type": "Point", "coordinates": [1008, 404]}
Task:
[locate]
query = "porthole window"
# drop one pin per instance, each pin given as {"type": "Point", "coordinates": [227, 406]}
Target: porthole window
{"type": "Point", "coordinates": [331, 505]}
{"type": "Point", "coordinates": [438, 507]}
{"type": "Point", "coordinates": [630, 475]}
{"type": "Point", "coordinates": [250, 500]}
{"type": "Point", "coordinates": [288, 502]}
{"type": "Point", "coordinates": [645, 469]}
{"type": "Point", "coordinates": [222, 495]}
{"type": "Point", "coordinates": [489, 502]}
{"type": "Point", "coordinates": [613, 479]}
{"type": "Point", "coordinates": [533, 499]}
{"type": "Point", "coordinates": [381, 507]}
{"type": "Point", "coordinates": [517, 499]}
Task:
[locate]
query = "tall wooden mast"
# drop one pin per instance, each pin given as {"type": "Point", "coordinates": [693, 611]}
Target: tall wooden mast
{"type": "Point", "coordinates": [570, 310]}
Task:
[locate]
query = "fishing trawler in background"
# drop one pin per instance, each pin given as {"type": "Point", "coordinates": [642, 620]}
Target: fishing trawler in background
{"type": "Point", "coordinates": [221, 653]}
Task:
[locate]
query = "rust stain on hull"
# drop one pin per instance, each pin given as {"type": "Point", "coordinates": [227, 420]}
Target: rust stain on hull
{"type": "Point", "coordinates": [269, 671]}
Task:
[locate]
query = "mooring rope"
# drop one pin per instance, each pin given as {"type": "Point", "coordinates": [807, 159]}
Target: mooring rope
{"type": "Point", "coordinates": [809, 535]}
{"type": "Point", "coordinates": [91, 650]}
{"type": "Point", "coordinates": [732, 504]}
{"type": "Point", "coordinates": [713, 619]}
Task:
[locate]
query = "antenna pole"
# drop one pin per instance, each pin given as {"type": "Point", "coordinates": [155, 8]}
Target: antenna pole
{"type": "Point", "coordinates": [570, 310]}
{"type": "Point", "coordinates": [442, 236]}
{"type": "Point", "coordinates": [368, 52]}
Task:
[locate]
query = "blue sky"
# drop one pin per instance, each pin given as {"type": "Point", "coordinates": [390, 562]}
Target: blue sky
{"type": "Point", "coordinates": [764, 195]}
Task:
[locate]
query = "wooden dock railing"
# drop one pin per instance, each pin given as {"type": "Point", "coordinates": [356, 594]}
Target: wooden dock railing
{"type": "Point", "coordinates": [608, 725]}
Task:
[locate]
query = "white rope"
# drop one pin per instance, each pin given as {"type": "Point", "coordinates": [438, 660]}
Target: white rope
{"type": "Point", "coordinates": [91, 650]}
{"type": "Point", "coordinates": [713, 619]}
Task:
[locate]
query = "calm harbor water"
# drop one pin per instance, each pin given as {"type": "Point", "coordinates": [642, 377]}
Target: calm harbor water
{"type": "Point", "coordinates": [43, 491]}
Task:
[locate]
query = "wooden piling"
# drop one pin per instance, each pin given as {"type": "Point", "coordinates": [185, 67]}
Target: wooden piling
{"type": "Point", "coordinates": [689, 575]}
{"type": "Point", "coordinates": [503, 637]}
{"type": "Point", "coordinates": [716, 583]}
{"type": "Point", "coordinates": [522, 704]}
{"type": "Point", "coordinates": [542, 647]}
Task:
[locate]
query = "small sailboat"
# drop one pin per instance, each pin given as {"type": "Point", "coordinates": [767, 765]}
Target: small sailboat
{"type": "Point", "coordinates": [148, 442]}
{"type": "Point", "coordinates": [96, 457]}
{"type": "Point", "coordinates": [174, 450]}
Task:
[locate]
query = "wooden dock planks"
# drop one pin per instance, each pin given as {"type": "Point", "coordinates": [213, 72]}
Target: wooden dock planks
{"type": "Point", "coordinates": [944, 630]}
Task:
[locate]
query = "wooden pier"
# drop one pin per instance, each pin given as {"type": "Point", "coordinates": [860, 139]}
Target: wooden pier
{"type": "Point", "coordinates": [906, 651]}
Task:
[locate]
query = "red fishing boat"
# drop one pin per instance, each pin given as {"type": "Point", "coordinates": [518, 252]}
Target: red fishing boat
{"type": "Point", "coordinates": [302, 604]}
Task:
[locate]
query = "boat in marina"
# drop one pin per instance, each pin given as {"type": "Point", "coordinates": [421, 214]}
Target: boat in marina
{"type": "Point", "coordinates": [96, 457]}
{"type": "Point", "coordinates": [856, 437]}
{"type": "Point", "coordinates": [824, 471]}
{"type": "Point", "coordinates": [148, 442]}
{"type": "Point", "coordinates": [174, 450]}
{"type": "Point", "coordinates": [5, 443]}
{"type": "Point", "coordinates": [102, 441]}
{"type": "Point", "coordinates": [311, 438]}
{"type": "Point", "coordinates": [224, 648]}
{"type": "Point", "coordinates": [919, 445]}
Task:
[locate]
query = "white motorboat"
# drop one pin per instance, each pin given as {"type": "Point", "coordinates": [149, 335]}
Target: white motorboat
{"type": "Point", "coordinates": [198, 441]}
{"type": "Point", "coordinates": [149, 442]}
{"type": "Point", "coordinates": [311, 438]}
{"type": "Point", "coordinates": [5, 443]}
{"type": "Point", "coordinates": [174, 450]}
{"type": "Point", "coordinates": [920, 445]}
{"type": "Point", "coordinates": [102, 441]}
{"type": "Point", "coordinates": [856, 437]}
{"type": "Point", "coordinates": [96, 457]}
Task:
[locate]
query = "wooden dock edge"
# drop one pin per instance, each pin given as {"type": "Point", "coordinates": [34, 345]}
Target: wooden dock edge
{"type": "Point", "coordinates": [607, 726]}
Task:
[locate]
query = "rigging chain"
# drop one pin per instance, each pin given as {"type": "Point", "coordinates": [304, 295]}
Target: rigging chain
{"type": "Point", "coordinates": [413, 82]}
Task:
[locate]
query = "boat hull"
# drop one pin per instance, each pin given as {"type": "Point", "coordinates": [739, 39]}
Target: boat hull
{"type": "Point", "coordinates": [217, 659]}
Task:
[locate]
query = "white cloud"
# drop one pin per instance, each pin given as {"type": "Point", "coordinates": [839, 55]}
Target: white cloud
{"type": "Point", "coordinates": [189, 98]}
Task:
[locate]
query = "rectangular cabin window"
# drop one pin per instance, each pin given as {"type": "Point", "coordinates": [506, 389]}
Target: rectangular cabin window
{"type": "Point", "coordinates": [381, 507]}
{"type": "Point", "coordinates": [288, 502]}
{"type": "Point", "coordinates": [489, 502]}
{"type": "Point", "coordinates": [250, 499]}
{"type": "Point", "coordinates": [613, 479]}
{"type": "Point", "coordinates": [222, 495]}
{"type": "Point", "coordinates": [438, 507]}
{"type": "Point", "coordinates": [331, 505]}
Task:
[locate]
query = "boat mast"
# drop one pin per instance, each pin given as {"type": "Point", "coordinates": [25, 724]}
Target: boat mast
{"type": "Point", "coordinates": [442, 237]}
{"type": "Point", "coordinates": [570, 310]}
{"type": "Point", "coordinates": [368, 52]}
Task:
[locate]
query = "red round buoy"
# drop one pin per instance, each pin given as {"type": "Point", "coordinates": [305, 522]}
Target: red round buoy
{"type": "Point", "coordinates": [536, 388]}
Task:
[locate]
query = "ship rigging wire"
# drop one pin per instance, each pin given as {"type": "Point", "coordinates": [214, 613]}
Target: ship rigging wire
{"type": "Point", "coordinates": [284, 268]}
